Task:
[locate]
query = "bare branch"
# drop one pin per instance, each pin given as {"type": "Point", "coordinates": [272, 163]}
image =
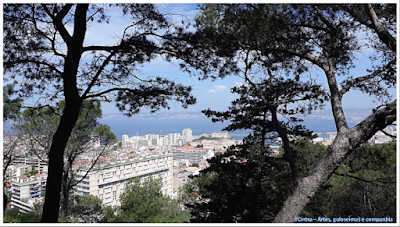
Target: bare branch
{"type": "Point", "coordinates": [387, 134]}
{"type": "Point", "coordinates": [57, 21]}
{"type": "Point", "coordinates": [349, 84]}
{"type": "Point", "coordinates": [105, 63]}
{"type": "Point", "coordinates": [92, 166]}
{"type": "Point", "coordinates": [367, 181]}
{"type": "Point", "coordinates": [24, 61]}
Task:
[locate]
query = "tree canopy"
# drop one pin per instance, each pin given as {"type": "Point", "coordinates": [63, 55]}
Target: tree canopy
{"type": "Point", "coordinates": [265, 43]}
{"type": "Point", "coordinates": [11, 107]}
{"type": "Point", "coordinates": [363, 186]}
{"type": "Point", "coordinates": [46, 56]}
{"type": "Point", "coordinates": [247, 184]}
{"type": "Point", "coordinates": [89, 140]}
{"type": "Point", "coordinates": [38, 43]}
{"type": "Point", "coordinates": [84, 209]}
{"type": "Point", "coordinates": [142, 201]}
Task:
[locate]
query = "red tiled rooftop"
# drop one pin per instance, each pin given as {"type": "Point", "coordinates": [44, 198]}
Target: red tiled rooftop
{"type": "Point", "coordinates": [186, 147]}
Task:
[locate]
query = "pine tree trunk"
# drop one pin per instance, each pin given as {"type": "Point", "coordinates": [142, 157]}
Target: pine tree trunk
{"type": "Point", "coordinates": [345, 142]}
{"type": "Point", "coordinates": [65, 191]}
{"type": "Point", "coordinates": [73, 103]}
{"type": "Point", "coordinates": [56, 162]}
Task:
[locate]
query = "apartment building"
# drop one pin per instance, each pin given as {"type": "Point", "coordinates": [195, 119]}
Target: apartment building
{"type": "Point", "coordinates": [381, 137]}
{"type": "Point", "coordinates": [219, 135]}
{"type": "Point", "coordinates": [26, 190]}
{"type": "Point", "coordinates": [173, 138]}
{"type": "Point", "coordinates": [109, 182]}
{"type": "Point", "coordinates": [187, 135]}
{"type": "Point", "coordinates": [17, 170]}
{"type": "Point", "coordinates": [192, 154]}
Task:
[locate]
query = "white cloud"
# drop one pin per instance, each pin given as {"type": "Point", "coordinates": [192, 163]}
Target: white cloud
{"type": "Point", "coordinates": [218, 88]}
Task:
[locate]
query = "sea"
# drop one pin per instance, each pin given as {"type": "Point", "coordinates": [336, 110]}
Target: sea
{"type": "Point", "coordinates": [132, 127]}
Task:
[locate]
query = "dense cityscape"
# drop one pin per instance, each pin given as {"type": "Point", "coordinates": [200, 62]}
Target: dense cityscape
{"type": "Point", "coordinates": [307, 92]}
{"type": "Point", "coordinates": [173, 157]}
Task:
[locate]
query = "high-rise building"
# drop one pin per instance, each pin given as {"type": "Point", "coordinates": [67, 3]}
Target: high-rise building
{"type": "Point", "coordinates": [172, 138]}
{"type": "Point", "coordinates": [125, 138]}
{"type": "Point", "coordinates": [187, 135]}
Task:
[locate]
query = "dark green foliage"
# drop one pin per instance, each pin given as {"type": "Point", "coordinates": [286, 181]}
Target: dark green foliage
{"type": "Point", "coordinates": [143, 202]}
{"type": "Point", "coordinates": [43, 51]}
{"type": "Point", "coordinates": [84, 209]}
{"type": "Point", "coordinates": [14, 216]}
{"type": "Point", "coordinates": [31, 38]}
{"type": "Point", "coordinates": [11, 107]}
{"type": "Point", "coordinates": [275, 49]}
{"type": "Point", "coordinates": [39, 125]}
{"type": "Point", "coordinates": [246, 184]}
{"type": "Point", "coordinates": [259, 104]}
{"type": "Point", "coordinates": [253, 189]}
{"type": "Point", "coordinates": [182, 217]}
{"type": "Point", "coordinates": [306, 154]}
{"type": "Point", "coordinates": [252, 110]}
{"type": "Point", "coordinates": [363, 186]}
{"type": "Point", "coordinates": [30, 173]}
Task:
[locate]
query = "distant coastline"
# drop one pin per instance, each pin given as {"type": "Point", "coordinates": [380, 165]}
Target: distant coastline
{"type": "Point", "coordinates": [132, 126]}
{"type": "Point", "coordinates": [352, 115]}
{"type": "Point", "coordinates": [158, 115]}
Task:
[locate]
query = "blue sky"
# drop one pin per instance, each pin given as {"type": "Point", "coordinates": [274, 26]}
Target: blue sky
{"type": "Point", "coordinates": [210, 94]}
{"type": "Point", "coordinates": [216, 94]}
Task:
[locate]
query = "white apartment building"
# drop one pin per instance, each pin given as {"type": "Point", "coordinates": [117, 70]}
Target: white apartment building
{"type": "Point", "coordinates": [109, 182]}
{"type": "Point", "coordinates": [219, 134]}
{"type": "Point", "coordinates": [193, 155]}
{"type": "Point", "coordinates": [173, 138]}
{"type": "Point", "coordinates": [125, 138]}
{"type": "Point", "coordinates": [18, 170]}
{"type": "Point", "coordinates": [24, 189]}
{"type": "Point", "coordinates": [187, 135]}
